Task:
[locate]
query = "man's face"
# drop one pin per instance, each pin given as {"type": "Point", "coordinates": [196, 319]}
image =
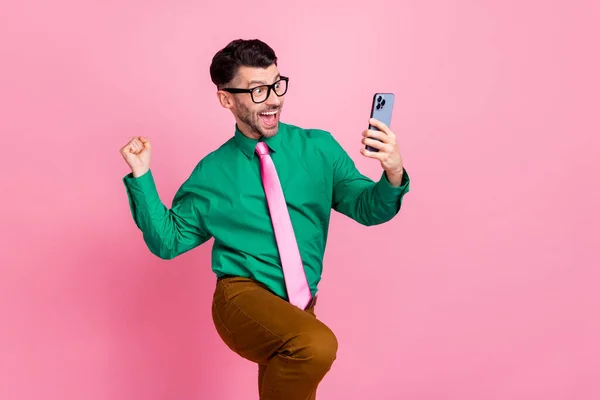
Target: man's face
{"type": "Point", "coordinates": [260, 119]}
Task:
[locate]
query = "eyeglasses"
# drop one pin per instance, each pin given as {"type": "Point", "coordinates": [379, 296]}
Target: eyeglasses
{"type": "Point", "coordinates": [261, 93]}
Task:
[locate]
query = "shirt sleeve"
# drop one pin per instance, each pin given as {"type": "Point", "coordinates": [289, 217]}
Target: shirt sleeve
{"type": "Point", "coordinates": [167, 232]}
{"type": "Point", "coordinates": [359, 197]}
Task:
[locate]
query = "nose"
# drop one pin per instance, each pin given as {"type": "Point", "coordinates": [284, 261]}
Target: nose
{"type": "Point", "coordinates": [273, 100]}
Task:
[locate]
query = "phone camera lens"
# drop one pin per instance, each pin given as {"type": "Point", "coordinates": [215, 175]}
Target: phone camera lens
{"type": "Point", "coordinates": [378, 106]}
{"type": "Point", "coordinates": [379, 99]}
{"type": "Point", "coordinates": [383, 102]}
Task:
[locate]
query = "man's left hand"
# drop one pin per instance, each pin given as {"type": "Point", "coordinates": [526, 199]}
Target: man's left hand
{"type": "Point", "coordinates": [388, 154]}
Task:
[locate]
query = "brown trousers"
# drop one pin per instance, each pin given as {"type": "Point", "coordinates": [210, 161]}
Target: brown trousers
{"type": "Point", "coordinates": [293, 349]}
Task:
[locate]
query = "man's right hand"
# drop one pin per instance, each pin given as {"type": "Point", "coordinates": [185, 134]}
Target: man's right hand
{"type": "Point", "coordinates": [137, 155]}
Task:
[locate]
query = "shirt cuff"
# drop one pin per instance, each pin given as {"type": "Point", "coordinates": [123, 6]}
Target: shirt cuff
{"type": "Point", "coordinates": [141, 190]}
{"type": "Point", "coordinates": [390, 193]}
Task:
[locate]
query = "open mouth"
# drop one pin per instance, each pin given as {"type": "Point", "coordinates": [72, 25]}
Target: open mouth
{"type": "Point", "coordinates": [269, 118]}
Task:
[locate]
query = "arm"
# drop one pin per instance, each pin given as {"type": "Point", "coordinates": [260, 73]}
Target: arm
{"type": "Point", "coordinates": [167, 232]}
{"type": "Point", "coordinates": [362, 199]}
{"type": "Point", "coordinates": [359, 197]}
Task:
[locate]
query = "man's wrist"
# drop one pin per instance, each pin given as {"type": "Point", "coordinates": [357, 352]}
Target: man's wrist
{"type": "Point", "coordinates": [139, 172]}
{"type": "Point", "coordinates": [395, 177]}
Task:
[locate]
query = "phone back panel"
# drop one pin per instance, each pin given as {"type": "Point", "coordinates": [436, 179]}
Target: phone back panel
{"type": "Point", "coordinates": [381, 110]}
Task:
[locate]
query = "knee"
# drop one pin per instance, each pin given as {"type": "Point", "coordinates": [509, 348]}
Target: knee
{"type": "Point", "coordinates": [318, 348]}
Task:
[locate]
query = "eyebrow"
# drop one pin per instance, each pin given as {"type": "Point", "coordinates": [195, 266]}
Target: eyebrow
{"type": "Point", "coordinates": [263, 82]}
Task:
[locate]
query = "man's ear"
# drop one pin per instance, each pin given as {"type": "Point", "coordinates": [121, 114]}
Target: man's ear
{"type": "Point", "coordinates": [225, 99]}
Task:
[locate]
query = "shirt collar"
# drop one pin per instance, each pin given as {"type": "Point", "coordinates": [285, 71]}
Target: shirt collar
{"type": "Point", "coordinates": [248, 145]}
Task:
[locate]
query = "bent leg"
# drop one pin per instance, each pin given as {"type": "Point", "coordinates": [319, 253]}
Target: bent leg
{"type": "Point", "coordinates": [293, 348]}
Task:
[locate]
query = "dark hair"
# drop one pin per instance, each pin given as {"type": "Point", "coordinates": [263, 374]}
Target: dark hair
{"type": "Point", "coordinates": [240, 52]}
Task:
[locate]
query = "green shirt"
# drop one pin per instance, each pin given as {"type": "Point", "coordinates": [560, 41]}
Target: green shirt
{"type": "Point", "coordinates": [224, 198]}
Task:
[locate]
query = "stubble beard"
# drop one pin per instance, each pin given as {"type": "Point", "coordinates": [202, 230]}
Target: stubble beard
{"type": "Point", "coordinates": [252, 120]}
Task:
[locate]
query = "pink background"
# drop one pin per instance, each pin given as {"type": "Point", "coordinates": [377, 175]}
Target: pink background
{"type": "Point", "coordinates": [486, 285]}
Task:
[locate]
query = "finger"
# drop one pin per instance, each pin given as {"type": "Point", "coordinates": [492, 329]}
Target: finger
{"type": "Point", "coordinates": [381, 126]}
{"type": "Point", "coordinates": [129, 149]}
{"type": "Point", "coordinates": [384, 148]}
{"type": "Point", "coordinates": [371, 154]}
{"type": "Point", "coordinates": [371, 133]}
{"type": "Point", "coordinates": [374, 143]}
{"type": "Point", "coordinates": [145, 141]}
{"type": "Point", "coordinates": [138, 145]}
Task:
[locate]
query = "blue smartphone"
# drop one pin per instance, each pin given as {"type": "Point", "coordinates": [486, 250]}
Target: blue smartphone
{"type": "Point", "coordinates": [381, 110]}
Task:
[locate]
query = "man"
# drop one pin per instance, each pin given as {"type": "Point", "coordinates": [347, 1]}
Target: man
{"type": "Point", "coordinates": [268, 250]}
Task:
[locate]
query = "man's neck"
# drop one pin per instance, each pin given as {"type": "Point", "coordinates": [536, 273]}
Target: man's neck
{"type": "Point", "coordinates": [247, 131]}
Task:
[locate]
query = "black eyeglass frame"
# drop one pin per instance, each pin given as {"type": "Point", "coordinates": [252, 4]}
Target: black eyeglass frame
{"type": "Point", "coordinates": [269, 88]}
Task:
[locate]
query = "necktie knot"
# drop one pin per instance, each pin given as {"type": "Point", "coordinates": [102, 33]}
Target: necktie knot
{"type": "Point", "coordinates": [262, 148]}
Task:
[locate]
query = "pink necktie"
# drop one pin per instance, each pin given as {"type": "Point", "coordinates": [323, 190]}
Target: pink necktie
{"type": "Point", "coordinates": [293, 270]}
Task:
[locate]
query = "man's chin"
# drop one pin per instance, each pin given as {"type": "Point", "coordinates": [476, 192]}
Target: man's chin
{"type": "Point", "coordinates": [269, 132]}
